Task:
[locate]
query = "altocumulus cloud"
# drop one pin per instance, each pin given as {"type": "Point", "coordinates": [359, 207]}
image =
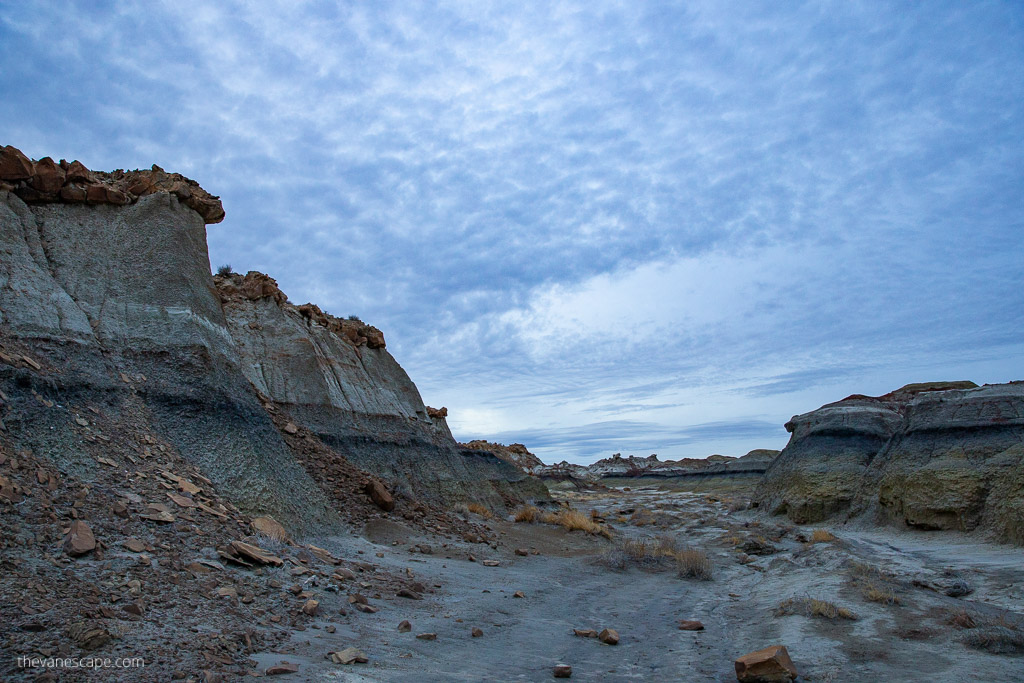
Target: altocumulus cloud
{"type": "Point", "coordinates": [663, 217]}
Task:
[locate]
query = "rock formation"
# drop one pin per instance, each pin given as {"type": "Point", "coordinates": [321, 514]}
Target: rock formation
{"type": "Point", "coordinates": [106, 299]}
{"type": "Point", "coordinates": [930, 456]}
{"type": "Point", "coordinates": [515, 453]}
{"type": "Point", "coordinates": [753, 463]}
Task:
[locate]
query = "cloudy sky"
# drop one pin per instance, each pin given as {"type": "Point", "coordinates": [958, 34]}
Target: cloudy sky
{"type": "Point", "coordinates": [591, 226]}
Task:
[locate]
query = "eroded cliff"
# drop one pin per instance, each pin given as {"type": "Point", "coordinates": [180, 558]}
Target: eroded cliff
{"type": "Point", "coordinates": [930, 456]}
{"type": "Point", "coordinates": [107, 291]}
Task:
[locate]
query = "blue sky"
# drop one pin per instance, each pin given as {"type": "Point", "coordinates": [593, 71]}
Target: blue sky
{"type": "Point", "coordinates": [592, 227]}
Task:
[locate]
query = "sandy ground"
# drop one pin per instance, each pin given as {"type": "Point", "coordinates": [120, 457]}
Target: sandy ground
{"type": "Point", "coordinates": [566, 587]}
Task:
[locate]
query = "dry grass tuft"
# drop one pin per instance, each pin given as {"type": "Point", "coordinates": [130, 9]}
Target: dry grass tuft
{"type": "Point", "coordinates": [482, 510]}
{"type": "Point", "coordinates": [875, 584]}
{"type": "Point", "coordinates": [999, 634]}
{"type": "Point", "coordinates": [661, 554]}
{"type": "Point", "coordinates": [528, 514]}
{"type": "Point", "coordinates": [822, 536]}
{"type": "Point", "coordinates": [884, 594]}
{"type": "Point", "coordinates": [694, 564]}
{"type": "Point", "coordinates": [574, 520]}
{"type": "Point", "coordinates": [812, 607]}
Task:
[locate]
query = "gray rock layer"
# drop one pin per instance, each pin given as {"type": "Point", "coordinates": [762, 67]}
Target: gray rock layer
{"type": "Point", "coordinates": [100, 293]}
{"type": "Point", "coordinates": [946, 458]}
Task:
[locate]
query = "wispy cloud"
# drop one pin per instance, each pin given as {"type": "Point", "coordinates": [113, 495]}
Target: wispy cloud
{"type": "Point", "coordinates": [668, 216]}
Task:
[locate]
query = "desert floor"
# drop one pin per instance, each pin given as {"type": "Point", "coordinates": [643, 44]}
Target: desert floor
{"type": "Point", "coordinates": [905, 591]}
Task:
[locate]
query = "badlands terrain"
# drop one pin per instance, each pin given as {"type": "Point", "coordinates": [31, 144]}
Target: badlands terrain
{"type": "Point", "coordinates": [203, 481]}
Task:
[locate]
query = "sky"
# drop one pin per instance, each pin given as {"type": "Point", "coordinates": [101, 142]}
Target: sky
{"type": "Point", "coordinates": [589, 227]}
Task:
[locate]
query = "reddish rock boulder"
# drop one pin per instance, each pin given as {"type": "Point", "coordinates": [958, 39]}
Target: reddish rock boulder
{"type": "Point", "coordinates": [79, 540]}
{"type": "Point", "coordinates": [770, 665]}
{"type": "Point", "coordinates": [379, 495]}
{"type": "Point", "coordinates": [47, 177]}
{"type": "Point", "coordinates": [78, 173]}
{"type": "Point", "coordinates": [14, 165]}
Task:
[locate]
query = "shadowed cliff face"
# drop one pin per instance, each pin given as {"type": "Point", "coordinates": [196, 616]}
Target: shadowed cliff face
{"type": "Point", "coordinates": [114, 303]}
{"type": "Point", "coordinates": [938, 456]}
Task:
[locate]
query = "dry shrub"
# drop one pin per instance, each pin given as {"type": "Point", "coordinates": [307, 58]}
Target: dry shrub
{"type": "Point", "coordinates": [999, 640]}
{"type": "Point", "coordinates": [822, 536]}
{"type": "Point", "coordinates": [574, 520]}
{"type": "Point", "coordinates": [812, 607]}
{"type": "Point", "coordinates": [528, 514]}
{"type": "Point", "coordinates": [875, 584]}
{"type": "Point", "coordinates": [694, 564]}
{"type": "Point", "coordinates": [661, 554]}
{"type": "Point", "coordinates": [642, 517]}
{"type": "Point", "coordinates": [482, 510]}
{"type": "Point", "coordinates": [999, 634]}
{"type": "Point", "coordinates": [884, 595]}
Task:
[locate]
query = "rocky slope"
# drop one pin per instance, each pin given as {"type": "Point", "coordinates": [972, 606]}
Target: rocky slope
{"type": "Point", "coordinates": [753, 463]}
{"type": "Point", "coordinates": [109, 294]}
{"type": "Point", "coordinates": [931, 456]}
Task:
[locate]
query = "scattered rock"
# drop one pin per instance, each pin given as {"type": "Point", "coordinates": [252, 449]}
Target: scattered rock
{"type": "Point", "coordinates": [490, 563]}
{"type": "Point", "coordinates": [522, 552]}
{"type": "Point", "coordinates": [770, 665]}
{"type": "Point", "coordinates": [368, 609]}
{"type": "Point", "coordinates": [427, 636]}
{"type": "Point", "coordinates": [79, 540]}
{"type": "Point", "coordinates": [270, 527]}
{"type": "Point", "coordinates": [349, 655]}
{"type": "Point", "coordinates": [609, 636]}
{"type": "Point", "coordinates": [290, 428]}
{"type": "Point", "coordinates": [519, 594]}
{"type": "Point", "coordinates": [412, 595]}
{"type": "Point", "coordinates": [311, 608]}
{"type": "Point", "coordinates": [404, 626]}
{"type": "Point", "coordinates": [476, 632]}
{"type": "Point", "coordinates": [584, 632]}
{"type": "Point", "coordinates": [89, 635]}
{"type": "Point", "coordinates": [254, 554]}
{"type": "Point", "coordinates": [379, 495]}
{"type": "Point", "coordinates": [134, 545]}
{"type": "Point", "coordinates": [562, 671]}
{"type": "Point", "coordinates": [282, 668]}
{"type": "Point", "coordinates": [690, 625]}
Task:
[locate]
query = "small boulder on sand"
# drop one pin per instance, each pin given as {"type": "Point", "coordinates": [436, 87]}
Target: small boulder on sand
{"type": "Point", "coordinates": [609, 636]}
{"type": "Point", "coordinates": [770, 665]}
{"type": "Point", "coordinates": [563, 671]}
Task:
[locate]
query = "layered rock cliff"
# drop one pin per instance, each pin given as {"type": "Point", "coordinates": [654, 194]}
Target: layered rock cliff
{"type": "Point", "coordinates": [930, 456]}
{"type": "Point", "coordinates": [107, 303]}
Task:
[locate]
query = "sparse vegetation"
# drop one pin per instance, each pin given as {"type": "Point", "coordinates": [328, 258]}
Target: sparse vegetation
{"type": "Point", "coordinates": [482, 510]}
{"type": "Point", "coordinates": [812, 607]}
{"type": "Point", "coordinates": [995, 633]}
{"type": "Point", "coordinates": [661, 554]}
{"type": "Point", "coordinates": [355, 318]}
{"type": "Point", "coordinates": [527, 514]}
{"type": "Point", "coordinates": [875, 584]}
{"type": "Point", "coordinates": [694, 564]}
{"type": "Point", "coordinates": [574, 520]}
{"type": "Point", "coordinates": [225, 269]}
{"type": "Point", "coordinates": [822, 536]}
